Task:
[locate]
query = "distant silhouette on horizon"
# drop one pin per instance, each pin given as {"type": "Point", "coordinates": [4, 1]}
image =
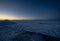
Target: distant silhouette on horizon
{"type": "Point", "coordinates": [6, 22]}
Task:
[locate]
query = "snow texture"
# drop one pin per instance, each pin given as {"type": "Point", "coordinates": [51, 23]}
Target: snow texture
{"type": "Point", "coordinates": [22, 30]}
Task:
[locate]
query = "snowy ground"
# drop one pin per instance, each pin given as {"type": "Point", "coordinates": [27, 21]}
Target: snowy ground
{"type": "Point", "coordinates": [51, 28]}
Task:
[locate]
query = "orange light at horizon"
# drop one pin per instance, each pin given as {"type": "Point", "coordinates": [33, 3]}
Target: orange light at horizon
{"type": "Point", "coordinates": [11, 18]}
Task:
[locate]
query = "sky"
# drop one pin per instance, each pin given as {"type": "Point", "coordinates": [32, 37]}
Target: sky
{"type": "Point", "coordinates": [30, 9]}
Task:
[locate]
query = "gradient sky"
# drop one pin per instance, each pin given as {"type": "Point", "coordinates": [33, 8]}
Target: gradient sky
{"type": "Point", "coordinates": [30, 9]}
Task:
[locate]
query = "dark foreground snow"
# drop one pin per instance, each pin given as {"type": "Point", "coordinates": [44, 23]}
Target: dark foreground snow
{"type": "Point", "coordinates": [31, 31]}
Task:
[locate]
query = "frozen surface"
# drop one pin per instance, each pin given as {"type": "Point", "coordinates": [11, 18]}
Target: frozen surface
{"type": "Point", "coordinates": [51, 28]}
{"type": "Point", "coordinates": [45, 27]}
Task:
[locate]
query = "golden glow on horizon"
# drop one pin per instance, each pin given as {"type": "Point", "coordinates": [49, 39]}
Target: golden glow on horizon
{"type": "Point", "coordinates": [11, 18]}
{"type": "Point", "coordinates": [8, 16]}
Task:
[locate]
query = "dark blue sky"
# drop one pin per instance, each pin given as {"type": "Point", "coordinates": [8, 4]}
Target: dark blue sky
{"type": "Point", "coordinates": [31, 9]}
